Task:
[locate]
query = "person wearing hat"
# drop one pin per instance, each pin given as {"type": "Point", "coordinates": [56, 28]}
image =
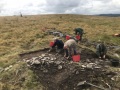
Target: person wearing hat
{"type": "Point", "coordinates": [101, 50]}
{"type": "Point", "coordinates": [70, 48]}
{"type": "Point", "coordinates": [58, 44]}
{"type": "Point", "coordinates": [79, 31]}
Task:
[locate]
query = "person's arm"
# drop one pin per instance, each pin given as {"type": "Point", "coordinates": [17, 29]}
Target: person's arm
{"type": "Point", "coordinates": [75, 32]}
{"type": "Point", "coordinates": [105, 49]}
{"type": "Point", "coordinates": [55, 43]}
{"type": "Point", "coordinates": [97, 48]}
{"type": "Point", "coordinates": [82, 31]}
{"type": "Point", "coordinates": [69, 52]}
{"type": "Point", "coordinates": [66, 53]}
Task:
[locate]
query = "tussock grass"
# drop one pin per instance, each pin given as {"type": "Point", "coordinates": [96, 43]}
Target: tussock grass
{"type": "Point", "coordinates": [22, 34]}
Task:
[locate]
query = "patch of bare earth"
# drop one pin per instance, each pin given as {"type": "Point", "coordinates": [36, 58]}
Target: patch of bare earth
{"type": "Point", "coordinates": [57, 73]}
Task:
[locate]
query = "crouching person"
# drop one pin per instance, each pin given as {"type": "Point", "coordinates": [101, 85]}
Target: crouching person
{"type": "Point", "coordinates": [58, 45]}
{"type": "Point", "coordinates": [70, 48]}
{"type": "Point", "coordinates": [79, 32]}
{"type": "Point", "coordinates": [101, 50]}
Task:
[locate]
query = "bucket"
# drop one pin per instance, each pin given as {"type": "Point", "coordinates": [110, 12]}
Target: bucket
{"type": "Point", "coordinates": [67, 37]}
{"type": "Point", "coordinates": [76, 58]}
{"type": "Point", "coordinates": [78, 37]}
{"type": "Point", "coordinates": [51, 44]}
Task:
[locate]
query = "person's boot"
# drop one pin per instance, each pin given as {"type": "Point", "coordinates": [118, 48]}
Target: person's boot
{"type": "Point", "coordinates": [104, 56]}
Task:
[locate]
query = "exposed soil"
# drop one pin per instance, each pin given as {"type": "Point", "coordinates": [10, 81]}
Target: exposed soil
{"type": "Point", "coordinates": [57, 73]}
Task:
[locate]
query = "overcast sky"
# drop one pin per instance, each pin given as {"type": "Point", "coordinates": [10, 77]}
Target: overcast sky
{"type": "Point", "coordinates": [33, 7]}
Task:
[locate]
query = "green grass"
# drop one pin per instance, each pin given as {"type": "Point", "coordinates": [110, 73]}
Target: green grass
{"type": "Point", "coordinates": [108, 39]}
{"type": "Point", "coordinates": [19, 77]}
{"type": "Point", "coordinates": [24, 34]}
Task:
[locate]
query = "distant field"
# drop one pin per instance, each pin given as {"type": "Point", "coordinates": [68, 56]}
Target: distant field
{"type": "Point", "coordinates": [22, 34]}
{"type": "Point", "coordinates": [19, 34]}
{"type": "Point", "coordinates": [25, 33]}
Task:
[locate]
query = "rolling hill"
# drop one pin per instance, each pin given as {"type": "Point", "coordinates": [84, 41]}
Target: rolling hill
{"type": "Point", "coordinates": [28, 33]}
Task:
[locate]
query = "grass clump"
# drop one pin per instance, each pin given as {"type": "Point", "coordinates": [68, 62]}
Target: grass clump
{"type": "Point", "coordinates": [23, 34]}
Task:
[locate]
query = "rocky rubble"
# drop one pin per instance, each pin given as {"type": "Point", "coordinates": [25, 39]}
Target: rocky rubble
{"type": "Point", "coordinates": [59, 61]}
{"type": "Point", "coordinates": [56, 33]}
{"type": "Point", "coordinates": [57, 72]}
{"type": "Point", "coordinates": [45, 61]}
{"type": "Point", "coordinates": [5, 69]}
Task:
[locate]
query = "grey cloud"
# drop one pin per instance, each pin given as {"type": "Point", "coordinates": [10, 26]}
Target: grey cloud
{"type": "Point", "coordinates": [102, 0]}
{"type": "Point", "coordinates": [71, 6]}
{"type": "Point", "coordinates": [67, 3]}
{"type": "Point", "coordinates": [1, 6]}
{"type": "Point", "coordinates": [60, 6]}
{"type": "Point", "coordinates": [29, 5]}
{"type": "Point", "coordinates": [66, 6]}
{"type": "Point", "coordinates": [106, 7]}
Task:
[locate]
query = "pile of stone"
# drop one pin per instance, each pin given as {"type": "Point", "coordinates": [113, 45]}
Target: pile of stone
{"type": "Point", "coordinates": [46, 62]}
{"type": "Point", "coordinates": [49, 63]}
{"type": "Point", "coordinates": [56, 33]}
{"type": "Point", "coordinates": [51, 66]}
{"type": "Point", "coordinates": [5, 69]}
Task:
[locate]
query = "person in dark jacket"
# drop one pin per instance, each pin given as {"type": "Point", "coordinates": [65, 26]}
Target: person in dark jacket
{"type": "Point", "coordinates": [79, 31]}
{"type": "Point", "coordinates": [101, 50]}
{"type": "Point", "coordinates": [58, 44]}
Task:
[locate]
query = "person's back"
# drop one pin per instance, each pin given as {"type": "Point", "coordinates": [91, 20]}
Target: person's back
{"type": "Point", "coordinates": [70, 48]}
{"type": "Point", "coordinates": [59, 44]}
{"type": "Point", "coordinates": [78, 30]}
{"type": "Point", "coordinates": [101, 47]}
{"type": "Point", "coordinates": [101, 50]}
{"type": "Point", "coordinates": [70, 42]}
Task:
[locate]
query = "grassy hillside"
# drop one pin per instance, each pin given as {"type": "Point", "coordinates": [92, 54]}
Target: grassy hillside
{"type": "Point", "coordinates": [22, 34]}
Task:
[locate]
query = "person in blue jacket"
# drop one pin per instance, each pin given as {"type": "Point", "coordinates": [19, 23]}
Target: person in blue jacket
{"type": "Point", "coordinates": [58, 44]}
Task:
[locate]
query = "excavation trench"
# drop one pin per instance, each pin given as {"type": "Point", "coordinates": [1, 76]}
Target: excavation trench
{"type": "Point", "coordinates": [57, 73]}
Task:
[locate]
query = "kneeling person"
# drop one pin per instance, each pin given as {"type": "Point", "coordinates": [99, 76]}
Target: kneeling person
{"type": "Point", "coordinates": [101, 50]}
{"type": "Point", "coordinates": [58, 44]}
{"type": "Point", "coordinates": [79, 31]}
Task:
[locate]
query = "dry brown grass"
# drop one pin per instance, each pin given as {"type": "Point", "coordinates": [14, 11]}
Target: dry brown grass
{"type": "Point", "coordinates": [22, 34]}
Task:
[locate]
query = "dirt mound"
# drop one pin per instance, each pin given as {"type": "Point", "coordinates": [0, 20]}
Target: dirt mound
{"type": "Point", "coordinates": [57, 73]}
